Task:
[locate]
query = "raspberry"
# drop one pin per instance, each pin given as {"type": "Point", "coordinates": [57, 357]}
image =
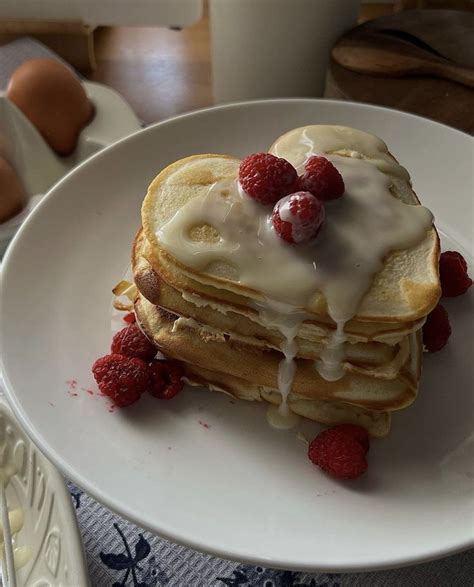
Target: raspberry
{"type": "Point", "coordinates": [166, 379]}
{"type": "Point", "coordinates": [436, 330]}
{"type": "Point", "coordinates": [267, 178]}
{"type": "Point", "coordinates": [322, 179]}
{"type": "Point", "coordinates": [357, 432]}
{"type": "Point", "coordinates": [298, 217]}
{"type": "Point", "coordinates": [129, 318]}
{"type": "Point", "coordinates": [131, 342]}
{"type": "Point", "coordinates": [121, 378]}
{"type": "Point", "coordinates": [338, 454]}
{"type": "Point", "coordinates": [453, 274]}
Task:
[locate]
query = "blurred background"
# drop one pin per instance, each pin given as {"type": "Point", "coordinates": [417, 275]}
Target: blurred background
{"type": "Point", "coordinates": [164, 68]}
{"type": "Point", "coordinates": [114, 66]}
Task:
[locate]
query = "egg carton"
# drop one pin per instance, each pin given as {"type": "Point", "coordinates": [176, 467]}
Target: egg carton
{"type": "Point", "coordinates": [38, 166]}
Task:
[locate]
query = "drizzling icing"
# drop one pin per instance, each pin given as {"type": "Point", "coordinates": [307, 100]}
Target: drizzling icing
{"type": "Point", "coordinates": [360, 229]}
{"type": "Point", "coordinates": [248, 244]}
{"type": "Point", "coordinates": [330, 364]}
{"type": "Point", "coordinates": [287, 319]}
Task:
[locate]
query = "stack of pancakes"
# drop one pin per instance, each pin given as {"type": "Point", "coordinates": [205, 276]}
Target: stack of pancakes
{"type": "Point", "coordinates": [211, 322]}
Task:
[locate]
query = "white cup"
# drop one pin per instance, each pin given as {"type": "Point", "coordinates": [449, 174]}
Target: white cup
{"type": "Point", "coordinates": [274, 48]}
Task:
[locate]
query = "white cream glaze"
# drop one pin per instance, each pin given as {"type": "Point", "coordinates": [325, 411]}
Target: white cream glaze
{"type": "Point", "coordinates": [272, 314]}
{"type": "Point", "coordinates": [316, 333]}
{"type": "Point", "coordinates": [360, 229]}
{"type": "Point", "coordinates": [200, 302]}
{"type": "Point", "coordinates": [282, 421]}
{"type": "Point", "coordinates": [299, 232]}
{"type": "Point", "coordinates": [298, 145]}
{"type": "Point", "coordinates": [330, 365]}
{"type": "Point", "coordinates": [287, 319]}
{"type": "Point", "coordinates": [203, 329]}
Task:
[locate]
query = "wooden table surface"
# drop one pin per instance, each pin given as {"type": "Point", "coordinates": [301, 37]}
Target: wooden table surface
{"type": "Point", "coordinates": [163, 72]}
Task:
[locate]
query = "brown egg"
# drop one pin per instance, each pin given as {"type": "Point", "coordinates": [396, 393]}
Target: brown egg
{"type": "Point", "coordinates": [53, 99]}
{"type": "Point", "coordinates": [12, 194]}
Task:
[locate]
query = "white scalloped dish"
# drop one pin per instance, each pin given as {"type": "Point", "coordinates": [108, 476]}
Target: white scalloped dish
{"type": "Point", "coordinates": [50, 528]}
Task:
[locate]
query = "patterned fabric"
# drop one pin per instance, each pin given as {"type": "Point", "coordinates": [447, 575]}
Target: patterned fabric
{"type": "Point", "coordinates": [121, 555]}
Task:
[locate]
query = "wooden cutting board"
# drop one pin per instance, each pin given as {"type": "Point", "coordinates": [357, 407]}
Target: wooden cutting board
{"type": "Point", "coordinates": [449, 32]}
{"type": "Point", "coordinates": [444, 36]}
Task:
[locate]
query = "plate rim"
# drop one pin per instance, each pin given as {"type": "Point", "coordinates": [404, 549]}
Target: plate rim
{"type": "Point", "coordinates": [123, 510]}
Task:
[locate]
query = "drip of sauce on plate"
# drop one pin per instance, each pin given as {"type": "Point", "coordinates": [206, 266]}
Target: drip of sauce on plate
{"type": "Point", "coordinates": [282, 420]}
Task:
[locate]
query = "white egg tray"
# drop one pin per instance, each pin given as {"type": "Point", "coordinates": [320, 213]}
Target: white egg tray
{"type": "Point", "coordinates": [50, 528]}
{"type": "Point", "coordinates": [38, 167]}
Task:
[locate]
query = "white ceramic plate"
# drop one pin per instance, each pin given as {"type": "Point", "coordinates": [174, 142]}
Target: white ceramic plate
{"type": "Point", "coordinates": [236, 488]}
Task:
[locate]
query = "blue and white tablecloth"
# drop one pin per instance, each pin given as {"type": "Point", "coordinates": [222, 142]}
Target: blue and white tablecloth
{"type": "Point", "coordinates": [121, 555]}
